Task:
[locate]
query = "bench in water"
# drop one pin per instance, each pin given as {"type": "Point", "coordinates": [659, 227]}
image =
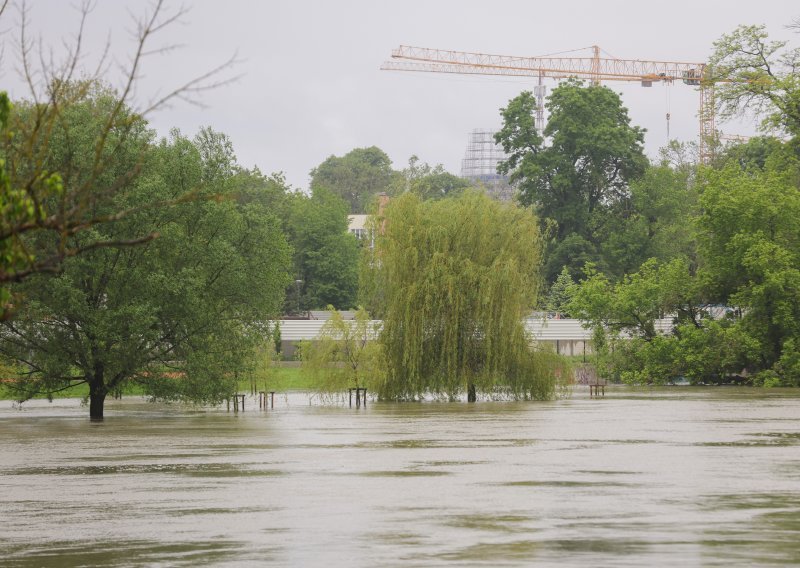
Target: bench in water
{"type": "Point", "coordinates": [597, 387]}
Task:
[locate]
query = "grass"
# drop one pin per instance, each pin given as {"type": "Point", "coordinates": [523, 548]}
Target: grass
{"type": "Point", "coordinates": [278, 379]}
{"type": "Point", "coordinates": [77, 391]}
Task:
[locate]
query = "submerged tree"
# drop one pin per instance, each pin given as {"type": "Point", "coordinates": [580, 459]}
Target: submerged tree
{"type": "Point", "coordinates": [458, 276]}
{"type": "Point", "coordinates": [736, 313]}
{"type": "Point", "coordinates": [345, 355]}
{"type": "Point", "coordinates": [178, 316]}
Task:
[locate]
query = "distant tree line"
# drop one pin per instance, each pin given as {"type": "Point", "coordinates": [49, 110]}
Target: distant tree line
{"type": "Point", "coordinates": [713, 247]}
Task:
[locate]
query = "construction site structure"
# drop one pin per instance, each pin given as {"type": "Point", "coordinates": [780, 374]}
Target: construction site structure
{"type": "Point", "coordinates": [593, 67]}
{"type": "Point", "coordinates": [480, 164]}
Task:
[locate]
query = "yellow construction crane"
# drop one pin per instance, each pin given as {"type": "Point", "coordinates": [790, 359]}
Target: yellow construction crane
{"type": "Point", "coordinates": [593, 68]}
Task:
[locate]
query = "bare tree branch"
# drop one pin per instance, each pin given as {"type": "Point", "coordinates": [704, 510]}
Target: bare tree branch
{"type": "Point", "coordinates": [54, 87]}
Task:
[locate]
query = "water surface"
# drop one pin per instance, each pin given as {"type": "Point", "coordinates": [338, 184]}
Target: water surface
{"type": "Point", "coordinates": [669, 477]}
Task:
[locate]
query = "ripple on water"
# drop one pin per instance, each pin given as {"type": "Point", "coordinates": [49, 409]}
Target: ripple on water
{"type": "Point", "coordinates": [621, 482]}
{"type": "Point", "coordinates": [489, 522]}
{"type": "Point", "coordinates": [756, 439]}
{"type": "Point", "coordinates": [121, 552]}
{"type": "Point", "coordinates": [183, 512]}
{"type": "Point", "coordinates": [492, 551]}
{"type": "Point", "coordinates": [192, 470]}
{"type": "Point", "coordinates": [564, 483]}
{"type": "Point", "coordinates": [404, 473]}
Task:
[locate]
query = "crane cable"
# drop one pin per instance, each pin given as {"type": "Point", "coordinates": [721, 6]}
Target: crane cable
{"type": "Point", "coordinates": [668, 93]}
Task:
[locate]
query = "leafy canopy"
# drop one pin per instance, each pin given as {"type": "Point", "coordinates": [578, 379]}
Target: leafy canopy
{"type": "Point", "coordinates": [40, 211]}
{"type": "Point", "coordinates": [178, 316]}
{"type": "Point", "coordinates": [736, 312]}
{"type": "Point", "coordinates": [325, 253]}
{"type": "Point", "coordinates": [357, 177]}
{"type": "Point", "coordinates": [760, 76]}
{"type": "Point", "coordinates": [457, 276]}
{"type": "Point", "coordinates": [346, 354]}
{"type": "Point", "coordinates": [577, 170]}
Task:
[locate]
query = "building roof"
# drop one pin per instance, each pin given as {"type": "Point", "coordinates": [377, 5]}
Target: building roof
{"type": "Point", "coordinates": [540, 329]}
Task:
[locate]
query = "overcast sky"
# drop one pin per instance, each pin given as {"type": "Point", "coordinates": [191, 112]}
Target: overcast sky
{"type": "Point", "coordinates": [310, 82]}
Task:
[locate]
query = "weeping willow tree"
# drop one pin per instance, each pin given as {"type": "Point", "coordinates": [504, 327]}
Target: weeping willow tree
{"type": "Point", "coordinates": [457, 277]}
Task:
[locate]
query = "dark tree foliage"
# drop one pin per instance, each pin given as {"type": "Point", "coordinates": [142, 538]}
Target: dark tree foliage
{"type": "Point", "coordinates": [325, 253]}
{"type": "Point", "coordinates": [357, 177]}
{"type": "Point", "coordinates": [577, 170]}
{"type": "Point", "coordinates": [180, 315]}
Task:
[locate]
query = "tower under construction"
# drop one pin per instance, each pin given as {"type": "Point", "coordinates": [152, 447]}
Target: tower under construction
{"type": "Point", "coordinates": [480, 164]}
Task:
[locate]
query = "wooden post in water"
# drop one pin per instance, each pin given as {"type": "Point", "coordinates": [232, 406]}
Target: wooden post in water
{"type": "Point", "coordinates": [361, 396]}
{"type": "Point", "coordinates": [262, 399]}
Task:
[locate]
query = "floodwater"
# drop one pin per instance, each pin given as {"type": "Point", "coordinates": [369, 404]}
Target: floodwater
{"type": "Point", "coordinates": [667, 477]}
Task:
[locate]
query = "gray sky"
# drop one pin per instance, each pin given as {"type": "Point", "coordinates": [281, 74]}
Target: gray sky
{"type": "Point", "coordinates": [311, 86]}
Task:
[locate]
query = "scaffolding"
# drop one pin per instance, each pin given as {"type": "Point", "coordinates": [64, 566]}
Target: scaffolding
{"type": "Point", "coordinates": [480, 164]}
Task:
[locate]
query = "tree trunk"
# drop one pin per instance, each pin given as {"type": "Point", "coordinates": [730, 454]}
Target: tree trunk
{"type": "Point", "coordinates": [97, 397]}
{"type": "Point", "coordinates": [471, 396]}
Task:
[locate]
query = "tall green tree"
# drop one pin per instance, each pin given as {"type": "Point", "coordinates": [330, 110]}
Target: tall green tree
{"type": "Point", "coordinates": [748, 237]}
{"type": "Point", "coordinates": [558, 297]}
{"type": "Point", "coordinates": [577, 170]}
{"type": "Point", "coordinates": [42, 206]}
{"type": "Point", "coordinates": [654, 222]}
{"type": "Point", "coordinates": [325, 253]}
{"type": "Point", "coordinates": [736, 314]}
{"type": "Point", "coordinates": [357, 177]}
{"type": "Point", "coordinates": [633, 305]}
{"type": "Point", "coordinates": [178, 316]}
{"type": "Point", "coordinates": [629, 345]}
{"type": "Point", "coordinates": [755, 153]}
{"type": "Point", "coordinates": [457, 277]}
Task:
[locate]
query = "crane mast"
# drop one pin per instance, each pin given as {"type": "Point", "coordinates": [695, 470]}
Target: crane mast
{"type": "Point", "coordinates": [593, 68]}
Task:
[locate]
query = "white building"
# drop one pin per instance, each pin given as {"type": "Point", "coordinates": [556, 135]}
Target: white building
{"type": "Point", "coordinates": [357, 224]}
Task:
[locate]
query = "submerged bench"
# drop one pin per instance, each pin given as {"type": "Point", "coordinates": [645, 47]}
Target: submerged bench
{"type": "Point", "coordinates": [597, 387]}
